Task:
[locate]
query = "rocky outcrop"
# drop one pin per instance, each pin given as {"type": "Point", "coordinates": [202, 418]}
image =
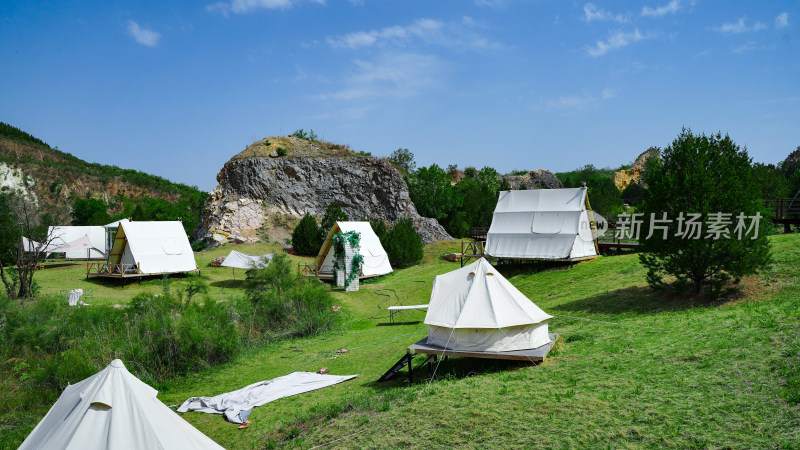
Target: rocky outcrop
{"type": "Point", "coordinates": [535, 179]}
{"type": "Point", "coordinates": [253, 187]}
{"type": "Point", "coordinates": [624, 178]}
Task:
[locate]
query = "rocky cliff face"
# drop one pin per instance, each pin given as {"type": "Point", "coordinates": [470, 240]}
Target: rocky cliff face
{"type": "Point", "coordinates": [623, 178]}
{"type": "Point", "coordinates": [254, 185]}
{"type": "Point", "coordinates": [535, 179]}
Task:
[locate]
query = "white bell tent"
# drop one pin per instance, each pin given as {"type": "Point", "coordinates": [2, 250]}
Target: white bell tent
{"type": "Point", "coordinates": [113, 409]}
{"type": "Point", "coordinates": [151, 248]}
{"type": "Point", "coordinates": [376, 261]}
{"type": "Point", "coordinates": [61, 236]}
{"type": "Point", "coordinates": [542, 224]}
{"type": "Point", "coordinates": [475, 308]}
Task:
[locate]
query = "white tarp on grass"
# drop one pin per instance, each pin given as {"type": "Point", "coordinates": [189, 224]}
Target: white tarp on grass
{"type": "Point", "coordinates": [376, 261]}
{"type": "Point", "coordinates": [541, 224]}
{"type": "Point", "coordinates": [237, 404]}
{"type": "Point", "coordinates": [61, 236]}
{"type": "Point", "coordinates": [113, 409]}
{"type": "Point", "coordinates": [475, 308]}
{"type": "Point", "coordinates": [240, 260]}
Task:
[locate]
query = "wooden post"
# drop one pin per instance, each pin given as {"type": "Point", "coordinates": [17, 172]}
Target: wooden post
{"type": "Point", "coordinates": [410, 369]}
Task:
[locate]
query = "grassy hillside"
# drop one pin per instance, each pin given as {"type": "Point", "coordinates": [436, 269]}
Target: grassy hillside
{"type": "Point", "coordinates": [633, 368]}
{"type": "Point", "coordinates": [59, 176]}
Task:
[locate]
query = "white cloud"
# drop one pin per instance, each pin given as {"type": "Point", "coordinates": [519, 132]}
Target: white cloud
{"type": "Point", "coordinates": [592, 13]}
{"type": "Point", "coordinates": [455, 35]}
{"type": "Point", "coordinates": [670, 8]}
{"type": "Point", "coordinates": [782, 20]}
{"type": "Point", "coordinates": [571, 103]}
{"type": "Point", "coordinates": [144, 36]}
{"type": "Point", "coordinates": [739, 27]}
{"type": "Point", "coordinates": [421, 28]}
{"type": "Point", "coordinates": [247, 6]}
{"type": "Point", "coordinates": [390, 75]}
{"type": "Point", "coordinates": [615, 41]}
{"type": "Point", "coordinates": [748, 47]}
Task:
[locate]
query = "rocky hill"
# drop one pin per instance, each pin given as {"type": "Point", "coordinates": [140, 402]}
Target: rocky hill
{"type": "Point", "coordinates": [50, 178]}
{"type": "Point", "coordinates": [623, 178]}
{"type": "Point", "coordinates": [287, 176]}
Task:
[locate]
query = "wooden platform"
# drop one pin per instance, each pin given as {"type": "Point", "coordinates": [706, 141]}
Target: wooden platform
{"type": "Point", "coordinates": [534, 354]}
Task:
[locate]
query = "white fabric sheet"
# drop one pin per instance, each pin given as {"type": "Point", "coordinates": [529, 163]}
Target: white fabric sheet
{"type": "Point", "coordinates": [541, 224]}
{"type": "Point", "coordinates": [239, 260]}
{"type": "Point", "coordinates": [232, 403]}
{"type": "Point", "coordinates": [113, 409]}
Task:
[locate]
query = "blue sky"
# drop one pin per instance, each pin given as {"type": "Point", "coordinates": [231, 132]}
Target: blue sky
{"type": "Point", "coordinates": [176, 88]}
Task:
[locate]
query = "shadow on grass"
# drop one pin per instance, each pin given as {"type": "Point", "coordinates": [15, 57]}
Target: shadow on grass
{"type": "Point", "coordinates": [228, 284]}
{"type": "Point", "coordinates": [449, 368]}
{"type": "Point", "coordinates": [391, 324]}
{"type": "Point", "coordinates": [640, 300]}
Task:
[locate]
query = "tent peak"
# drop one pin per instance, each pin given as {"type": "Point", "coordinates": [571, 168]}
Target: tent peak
{"type": "Point", "coordinates": [117, 363]}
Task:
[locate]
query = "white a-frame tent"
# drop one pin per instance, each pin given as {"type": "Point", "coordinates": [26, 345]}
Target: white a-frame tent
{"type": "Point", "coordinates": [376, 261]}
{"type": "Point", "coordinates": [542, 224]}
{"type": "Point", "coordinates": [475, 308]}
{"type": "Point", "coordinates": [113, 409]}
{"type": "Point", "coordinates": [151, 248]}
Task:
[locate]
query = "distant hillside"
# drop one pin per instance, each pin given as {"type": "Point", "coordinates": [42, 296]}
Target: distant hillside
{"type": "Point", "coordinates": [53, 179]}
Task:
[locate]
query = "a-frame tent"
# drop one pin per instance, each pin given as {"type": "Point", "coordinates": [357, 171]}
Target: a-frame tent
{"type": "Point", "coordinates": [376, 261]}
{"type": "Point", "coordinates": [542, 224]}
{"type": "Point", "coordinates": [151, 248]}
{"type": "Point", "coordinates": [113, 409]}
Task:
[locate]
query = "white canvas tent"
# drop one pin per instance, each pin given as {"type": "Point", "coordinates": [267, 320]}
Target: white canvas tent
{"type": "Point", "coordinates": [113, 409]}
{"type": "Point", "coordinates": [475, 308]}
{"type": "Point", "coordinates": [542, 224]}
{"type": "Point", "coordinates": [80, 245]}
{"type": "Point", "coordinates": [376, 261]}
{"type": "Point", "coordinates": [62, 235]}
{"type": "Point", "coordinates": [151, 248]}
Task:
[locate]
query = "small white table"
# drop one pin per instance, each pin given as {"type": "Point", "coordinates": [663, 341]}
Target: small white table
{"type": "Point", "coordinates": [392, 310]}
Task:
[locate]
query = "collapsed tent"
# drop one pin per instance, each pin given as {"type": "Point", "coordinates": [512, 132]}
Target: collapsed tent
{"type": "Point", "coordinates": [236, 405]}
{"type": "Point", "coordinates": [61, 236]}
{"type": "Point", "coordinates": [113, 409]}
{"type": "Point", "coordinates": [475, 308]}
{"type": "Point", "coordinates": [151, 248]}
{"type": "Point", "coordinates": [239, 260]}
{"type": "Point", "coordinates": [81, 244]}
{"type": "Point", "coordinates": [542, 224]}
{"type": "Point", "coordinates": [376, 261]}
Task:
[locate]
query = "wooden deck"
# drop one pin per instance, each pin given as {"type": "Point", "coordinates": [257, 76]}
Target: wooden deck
{"type": "Point", "coordinates": [786, 211]}
{"type": "Point", "coordinates": [434, 352]}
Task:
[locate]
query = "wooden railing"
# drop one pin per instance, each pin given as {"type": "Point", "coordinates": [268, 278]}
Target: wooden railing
{"type": "Point", "coordinates": [478, 233]}
{"type": "Point", "coordinates": [784, 209]}
{"type": "Point", "coordinates": [103, 268]}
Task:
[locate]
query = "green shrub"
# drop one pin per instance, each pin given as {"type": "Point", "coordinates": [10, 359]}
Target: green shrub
{"type": "Point", "coordinates": [281, 151]}
{"type": "Point", "coordinates": [306, 236]}
{"type": "Point", "coordinates": [403, 245]}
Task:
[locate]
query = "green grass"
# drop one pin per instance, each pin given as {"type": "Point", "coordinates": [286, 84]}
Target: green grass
{"type": "Point", "coordinates": [633, 368]}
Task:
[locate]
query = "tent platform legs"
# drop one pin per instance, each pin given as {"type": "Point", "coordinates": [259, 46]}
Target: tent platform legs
{"type": "Point", "coordinates": [534, 354]}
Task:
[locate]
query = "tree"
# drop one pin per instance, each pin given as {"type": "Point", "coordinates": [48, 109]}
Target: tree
{"type": "Point", "coordinates": [771, 181]}
{"type": "Point", "coordinates": [403, 245]}
{"type": "Point", "coordinates": [18, 263]}
{"type": "Point", "coordinates": [333, 214]}
{"type": "Point", "coordinates": [305, 236]}
{"type": "Point", "coordinates": [403, 159]}
{"type": "Point", "coordinates": [431, 192]}
{"type": "Point", "coordinates": [705, 175]}
{"type": "Point", "coordinates": [90, 211]}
